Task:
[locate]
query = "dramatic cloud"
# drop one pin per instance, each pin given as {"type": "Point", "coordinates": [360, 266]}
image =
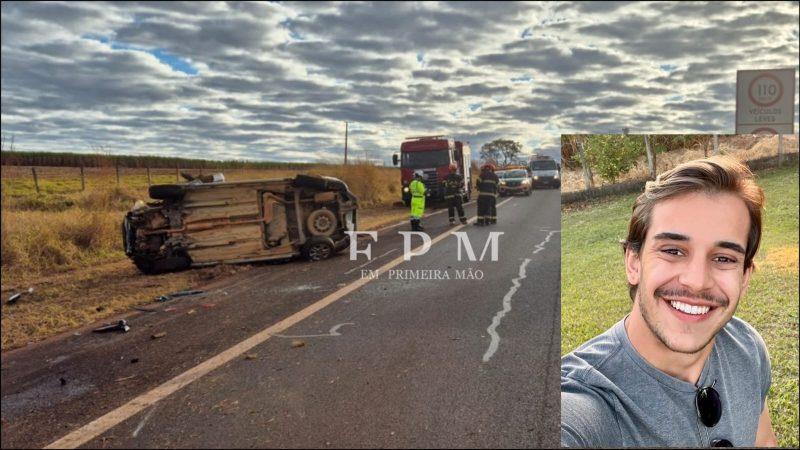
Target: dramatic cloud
{"type": "Point", "coordinates": [277, 81]}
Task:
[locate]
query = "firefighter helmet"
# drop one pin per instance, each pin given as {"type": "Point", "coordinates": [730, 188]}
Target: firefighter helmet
{"type": "Point", "coordinates": [417, 174]}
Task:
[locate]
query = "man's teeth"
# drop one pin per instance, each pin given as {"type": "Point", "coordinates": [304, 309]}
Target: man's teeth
{"type": "Point", "coordinates": [689, 309]}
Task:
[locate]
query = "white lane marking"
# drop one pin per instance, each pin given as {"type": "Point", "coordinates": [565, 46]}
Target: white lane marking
{"type": "Point", "coordinates": [492, 330]}
{"type": "Point", "coordinates": [113, 418]}
{"type": "Point", "coordinates": [370, 261]}
{"type": "Point", "coordinates": [143, 422]}
{"type": "Point", "coordinates": [334, 331]}
{"type": "Point", "coordinates": [495, 342]}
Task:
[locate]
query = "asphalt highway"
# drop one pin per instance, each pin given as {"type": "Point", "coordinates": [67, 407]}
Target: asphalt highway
{"type": "Point", "coordinates": [431, 352]}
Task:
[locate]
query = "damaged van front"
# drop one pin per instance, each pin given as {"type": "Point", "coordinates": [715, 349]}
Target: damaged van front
{"type": "Point", "coordinates": [202, 224]}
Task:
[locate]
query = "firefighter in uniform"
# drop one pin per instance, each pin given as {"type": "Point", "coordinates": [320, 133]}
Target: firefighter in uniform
{"type": "Point", "coordinates": [487, 201]}
{"type": "Point", "coordinates": [453, 194]}
{"type": "Point", "coordinates": [417, 189]}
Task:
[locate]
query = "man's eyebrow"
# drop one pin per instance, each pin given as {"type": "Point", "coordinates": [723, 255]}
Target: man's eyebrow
{"type": "Point", "coordinates": [731, 246]}
{"type": "Point", "coordinates": [671, 236]}
{"type": "Point", "coordinates": [668, 236]}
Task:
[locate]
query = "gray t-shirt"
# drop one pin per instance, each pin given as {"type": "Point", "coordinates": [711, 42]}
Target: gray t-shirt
{"type": "Point", "coordinates": [612, 397]}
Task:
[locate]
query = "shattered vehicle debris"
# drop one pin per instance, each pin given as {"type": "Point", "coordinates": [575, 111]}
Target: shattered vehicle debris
{"type": "Point", "coordinates": [208, 223]}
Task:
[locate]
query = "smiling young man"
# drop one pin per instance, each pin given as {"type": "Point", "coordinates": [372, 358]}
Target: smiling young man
{"type": "Point", "coordinates": [680, 370]}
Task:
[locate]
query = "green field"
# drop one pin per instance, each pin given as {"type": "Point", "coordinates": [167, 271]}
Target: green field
{"type": "Point", "coordinates": [594, 294]}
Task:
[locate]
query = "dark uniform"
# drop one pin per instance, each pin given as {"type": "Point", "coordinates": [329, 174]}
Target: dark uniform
{"type": "Point", "coordinates": [487, 197]}
{"type": "Point", "coordinates": [453, 194]}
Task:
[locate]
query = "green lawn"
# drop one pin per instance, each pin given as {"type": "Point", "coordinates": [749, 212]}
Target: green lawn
{"type": "Point", "coordinates": [594, 293]}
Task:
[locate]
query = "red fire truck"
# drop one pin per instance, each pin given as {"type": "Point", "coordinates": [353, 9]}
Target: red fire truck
{"type": "Point", "coordinates": [433, 156]}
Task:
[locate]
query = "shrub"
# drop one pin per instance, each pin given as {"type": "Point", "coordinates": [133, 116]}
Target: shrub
{"type": "Point", "coordinates": [611, 155]}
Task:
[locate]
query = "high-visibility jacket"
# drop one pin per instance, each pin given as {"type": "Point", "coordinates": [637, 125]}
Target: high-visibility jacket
{"type": "Point", "coordinates": [417, 189]}
{"type": "Point", "coordinates": [486, 183]}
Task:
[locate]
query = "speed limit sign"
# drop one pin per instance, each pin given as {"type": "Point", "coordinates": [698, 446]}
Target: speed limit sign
{"type": "Point", "coordinates": [765, 101]}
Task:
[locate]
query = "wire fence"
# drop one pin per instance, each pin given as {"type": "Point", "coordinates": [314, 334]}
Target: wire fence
{"type": "Point", "coordinates": [45, 179]}
{"type": "Point", "coordinates": [25, 181]}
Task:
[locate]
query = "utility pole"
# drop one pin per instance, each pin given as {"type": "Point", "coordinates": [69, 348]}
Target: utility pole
{"type": "Point", "coordinates": [345, 143]}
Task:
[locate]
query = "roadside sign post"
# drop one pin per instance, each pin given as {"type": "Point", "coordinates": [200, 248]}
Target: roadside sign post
{"type": "Point", "coordinates": [765, 101]}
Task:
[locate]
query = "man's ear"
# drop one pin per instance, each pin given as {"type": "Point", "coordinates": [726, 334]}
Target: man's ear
{"type": "Point", "coordinates": [746, 278]}
{"type": "Point", "coordinates": [632, 266]}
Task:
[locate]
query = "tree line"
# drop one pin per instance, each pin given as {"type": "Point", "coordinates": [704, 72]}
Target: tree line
{"type": "Point", "coordinates": [612, 155]}
{"type": "Point", "coordinates": [67, 159]}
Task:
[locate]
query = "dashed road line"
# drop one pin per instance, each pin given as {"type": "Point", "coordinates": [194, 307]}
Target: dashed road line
{"type": "Point", "coordinates": [498, 317]}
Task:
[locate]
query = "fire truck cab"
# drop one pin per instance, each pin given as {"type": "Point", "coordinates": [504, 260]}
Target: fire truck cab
{"type": "Point", "coordinates": [433, 156]}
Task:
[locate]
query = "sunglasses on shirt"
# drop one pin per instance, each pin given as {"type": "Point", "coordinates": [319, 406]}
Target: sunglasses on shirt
{"type": "Point", "coordinates": [709, 410]}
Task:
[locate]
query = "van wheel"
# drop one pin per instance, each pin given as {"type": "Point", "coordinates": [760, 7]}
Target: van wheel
{"type": "Point", "coordinates": [317, 249]}
{"type": "Point", "coordinates": [166, 191]}
{"type": "Point", "coordinates": [321, 222]}
{"type": "Point", "coordinates": [152, 266]}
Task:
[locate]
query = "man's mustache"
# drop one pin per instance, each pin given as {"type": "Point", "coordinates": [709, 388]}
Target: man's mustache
{"type": "Point", "coordinates": [686, 293]}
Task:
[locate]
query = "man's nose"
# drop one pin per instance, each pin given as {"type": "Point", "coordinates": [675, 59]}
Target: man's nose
{"type": "Point", "coordinates": [696, 274]}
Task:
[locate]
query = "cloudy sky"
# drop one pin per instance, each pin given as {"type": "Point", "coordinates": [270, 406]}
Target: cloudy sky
{"type": "Point", "coordinates": [277, 81]}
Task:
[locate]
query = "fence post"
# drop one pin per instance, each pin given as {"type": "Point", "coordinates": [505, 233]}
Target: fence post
{"type": "Point", "coordinates": [780, 149]}
{"type": "Point", "coordinates": [148, 177]}
{"type": "Point", "coordinates": [83, 180]}
{"type": "Point", "coordinates": [35, 179]}
{"type": "Point", "coordinates": [117, 167]}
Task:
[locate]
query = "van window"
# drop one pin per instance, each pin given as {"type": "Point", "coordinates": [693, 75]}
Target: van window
{"type": "Point", "coordinates": [545, 164]}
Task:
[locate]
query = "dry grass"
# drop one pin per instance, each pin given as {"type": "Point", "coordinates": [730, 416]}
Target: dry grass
{"type": "Point", "coordinates": [744, 147]}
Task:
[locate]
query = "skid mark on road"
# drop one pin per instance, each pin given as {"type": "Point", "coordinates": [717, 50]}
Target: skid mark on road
{"type": "Point", "coordinates": [492, 330]}
{"type": "Point", "coordinates": [334, 331]}
{"type": "Point", "coordinates": [143, 422]}
{"type": "Point", "coordinates": [370, 261]}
